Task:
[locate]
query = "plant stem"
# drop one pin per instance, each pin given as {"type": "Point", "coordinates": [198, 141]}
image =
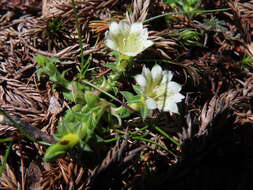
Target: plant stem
{"type": "Point", "coordinates": [155, 143]}
{"type": "Point", "coordinates": [5, 158]}
{"type": "Point", "coordinates": [108, 94]}
{"type": "Point", "coordinates": [78, 31]}
{"type": "Point", "coordinates": [15, 124]}
{"type": "Point", "coordinates": [186, 13]}
{"type": "Point", "coordinates": [167, 136]}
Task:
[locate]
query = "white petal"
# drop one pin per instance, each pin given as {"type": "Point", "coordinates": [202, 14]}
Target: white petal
{"type": "Point", "coordinates": [174, 87]}
{"type": "Point", "coordinates": [130, 54]}
{"type": "Point", "coordinates": [106, 34]}
{"type": "Point", "coordinates": [151, 104]}
{"type": "Point", "coordinates": [114, 28]}
{"type": "Point", "coordinates": [146, 72]}
{"type": "Point", "coordinates": [170, 75]}
{"type": "Point", "coordinates": [129, 39]}
{"type": "Point", "coordinates": [168, 106]}
{"type": "Point", "coordinates": [147, 44]}
{"type": "Point", "coordinates": [140, 79]}
{"type": "Point", "coordinates": [177, 97]}
{"type": "Point", "coordinates": [167, 76]}
{"type": "Point", "coordinates": [180, 97]}
{"type": "Point", "coordinates": [136, 28]}
{"type": "Point", "coordinates": [144, 34]}
{"type": "Point", "coordinates": [111, 44]}
{"type": "Point", "coordinates": [156, 72]}
{"type": "Point", "coordinates": [124, 27]}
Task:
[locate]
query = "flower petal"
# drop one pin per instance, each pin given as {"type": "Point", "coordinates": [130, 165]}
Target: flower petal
{"type": "Point", "coordinates": [130, 54]}
{"type": "Point", "coordinates": [177, 97]}
{"type": "Point", "coordinates": [144, 34]}
{"type": "Point", "coordinates": [151, 104]}
{"type": "Point", "coordinates": [174, 87]}
{"type": "Point", "coordinates": [180, 97]}
{"type": "Point", "coordinates": [111, 44]}
{"type": "Point", "coordinates": [124, 27]}
{"type": "Point", "coordinates": [114, 28]}
{"type": "Point", "coordinates": [167, 76]}
{"type": "Point", "coordinates": [129, 39]}
{"type": "Point", "coordinates": [156, 73]}
{"type": "Point", "coordinates": [147, 44]}
{"type": "Point", "coordinates": [140, 79]}
{"type": "Point", "coordinates": [162, 93]}
{"type": "Point", "coordinates": [147, 73]}
{"type": "Point", "coordinates": [136, 28]}
{"type": "Point", "coordinates": [168, 106]}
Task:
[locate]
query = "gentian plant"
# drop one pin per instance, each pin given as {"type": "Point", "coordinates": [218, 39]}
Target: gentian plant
{"type": "Point", "coordinates": [158, 89]}
{"type": "Point", "coordinates": [127, 39]}
{"type": "Point", "coordinates": [80, 122]}
{"type": "Point", "coordinates": [154, 89]}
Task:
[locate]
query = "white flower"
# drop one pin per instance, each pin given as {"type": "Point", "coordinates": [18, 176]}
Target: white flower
{"type": "Point", "coordinates": [128, 39]}
{"type": "Point", "coordinates": [158, 89]}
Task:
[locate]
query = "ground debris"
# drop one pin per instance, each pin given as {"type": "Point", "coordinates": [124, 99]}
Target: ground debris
{"type": "Point", "coordinates": [210, 54]}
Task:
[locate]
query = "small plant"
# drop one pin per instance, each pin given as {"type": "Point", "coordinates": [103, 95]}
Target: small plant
{"type": "Point", "coordinates": [158, 89]}
{"type": "Point", "coordinates": [55, 32]}
{"type": "Point", "coordinates": [72, 90]}
{"type": "Point", "coordinates": [6, 155]}
{"type": "Point", "coordinates": [247, 63]}
{"type": "Point", "coordinates": [185, 5]}
{"type": "Point", "coordinates": [127, 39]}
{"type": "Point", "coordinates": [214, 24]}
{"type": "Point", "coordinates": [81, 123]}
{"type": "Point", "coordinates": [187, 37]}
{"type": "Point", "coordinates": [55, 27]}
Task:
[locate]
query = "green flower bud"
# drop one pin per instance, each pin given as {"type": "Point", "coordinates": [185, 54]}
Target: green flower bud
{"type": "Point", "coordinates": [58, 149]}
{"type": "Point", "coordinates": [91, 98]}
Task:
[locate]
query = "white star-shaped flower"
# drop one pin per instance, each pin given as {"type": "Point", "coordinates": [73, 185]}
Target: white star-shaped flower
{"type": "Point", "coordinates": [127, 39]}
{"type": "Point", "coordinates": [159, 90]}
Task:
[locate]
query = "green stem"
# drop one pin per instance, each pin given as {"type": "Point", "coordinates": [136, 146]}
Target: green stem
{"type": "Point", "coordinates": [155, 143]}
{"type": "Point", "coordinates": [15, 124]}
{"type": "Point", "coordinates": [6, 140]}
{"type": "Point", "coordinates": [130, 135]}
{"type": "Point", "coordinates": [78, 31]}
{"type": "Point", "coordinates": [186, 13]}
{"type": "Point", "coordinates": [166, 135]}
{"type": "Point", "coordinates": [5, 158]}
{"type": "Point", "coordinates": [108, 94]}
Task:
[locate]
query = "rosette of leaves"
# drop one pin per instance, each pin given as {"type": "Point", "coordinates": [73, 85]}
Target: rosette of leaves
{"type": "Point", "coordinates": [185, 5]}
{"type": "Point", "coordinates": [78, 126]}
{"type": "Point", "coordinates": [72, 90]}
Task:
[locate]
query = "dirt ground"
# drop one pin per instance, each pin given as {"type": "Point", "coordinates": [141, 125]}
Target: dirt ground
{"type": "Point", "coordinates": [210, 54]}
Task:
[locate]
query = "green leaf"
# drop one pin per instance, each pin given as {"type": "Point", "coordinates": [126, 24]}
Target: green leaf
{"type": "Point", "coordinates": [5, 159]}
{"type": "Point", "coordinates": [144, 111]}
{"type": "Point", "coordinates": [48, 66]}
{"type": "Point", "coordinates": [127, 95]}
{"type": "Point", "coordinates": [137, 89]}
{"type": "Point", "coordinates": [84, 67]}
{"type": "Point", "coordinates": [86, 147]}
{"type": "Point", "coordinates": [124, 113]}
{"type": "Point", "coordinates": [112, 65]}
{"type": "Point", "coordinates": [115, 89]}
{"type": "Point", "coordinates": [135, 99]}
{"type": "Point", "coordinates": [91, 99]}
{"type": "Point", "coordinates": [66, 142]}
